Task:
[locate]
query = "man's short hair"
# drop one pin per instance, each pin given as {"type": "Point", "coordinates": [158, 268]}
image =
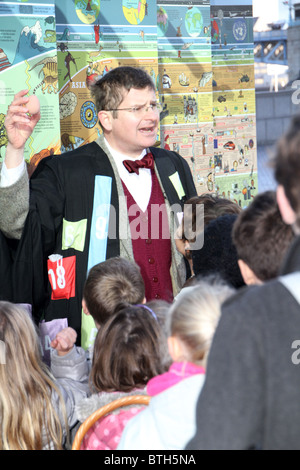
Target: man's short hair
{"type": "Point", "coordinates": [261, 237]}
{"type": "Point", "coordinates": [109, 91]}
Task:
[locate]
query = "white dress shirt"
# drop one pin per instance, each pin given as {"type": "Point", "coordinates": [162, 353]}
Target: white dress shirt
{"type": "Point", "coordinates": [139, 186]}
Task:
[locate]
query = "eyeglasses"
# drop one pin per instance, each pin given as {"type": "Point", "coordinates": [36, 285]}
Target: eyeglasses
{"type": "Point", "coordinates": [140, 110]}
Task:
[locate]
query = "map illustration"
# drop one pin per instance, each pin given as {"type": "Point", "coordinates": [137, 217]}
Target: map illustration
{"type": "Point", "coordinates": [194, 22]}
{"type": "Point", "coordinates": [134, 10]}
{"type": "Point", "coordinates": [87, 10]}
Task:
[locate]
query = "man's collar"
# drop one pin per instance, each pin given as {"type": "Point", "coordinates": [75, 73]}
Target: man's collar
{"type": "Point", "coordinates": [120, 156]}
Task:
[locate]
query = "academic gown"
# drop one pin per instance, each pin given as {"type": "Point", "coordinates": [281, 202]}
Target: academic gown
{"type": "Point", "coordinates": [74, 203]}
{"type": "Point", "coordinates": [7, 249]}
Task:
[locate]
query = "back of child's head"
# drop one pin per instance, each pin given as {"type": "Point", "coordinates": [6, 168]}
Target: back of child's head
{"type": "Point", "coordinates": [261, 237]}
{"type": "Point", "coordinates": [195, 314]}
{"type": "Point", "coordinates": [127, 351]}
{"type": "Point", "coordinates": [112, 285]}
{"type": "Point", "coordinates": [27, 416]}
{"type": "Point", "coordinates": [218, 254]}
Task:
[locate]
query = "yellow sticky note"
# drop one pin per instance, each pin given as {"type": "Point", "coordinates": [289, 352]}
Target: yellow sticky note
{"type": "Point", "coordinates": [88, 331]}
{"type": "Point", "coordinates": [175, 180]}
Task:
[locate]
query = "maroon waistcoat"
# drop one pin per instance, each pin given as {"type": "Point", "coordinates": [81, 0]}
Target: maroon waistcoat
{"type": "Point", "coordinates": [151, 242]}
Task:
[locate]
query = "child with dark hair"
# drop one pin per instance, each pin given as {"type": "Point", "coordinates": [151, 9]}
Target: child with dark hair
{"type": "Point", "coordinates": [127, 354]}
{"type": "Point", "coordinates": [218, 256]}
{"type": "Point", "coordinates": [110, 286]}
{"type": "Point", "coordinates": [262, 239]}
{"type": "Point", "coordinates": [199, 211]}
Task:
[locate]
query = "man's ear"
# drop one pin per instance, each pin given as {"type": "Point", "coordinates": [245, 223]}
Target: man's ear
{"type": "Point", "coordinates": [287, 212]}
{"type": "Point", "coordinates": [84, 307]}
{"type": "Point", "coordinates": [105, 119]}
{"type": "Point", "coordinates": [247, 274]}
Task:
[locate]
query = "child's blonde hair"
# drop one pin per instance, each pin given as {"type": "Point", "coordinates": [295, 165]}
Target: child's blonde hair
{"type": "Point", "coordinates": [194, 316]}
{"type": "Point", "coordinates": [29, 420]}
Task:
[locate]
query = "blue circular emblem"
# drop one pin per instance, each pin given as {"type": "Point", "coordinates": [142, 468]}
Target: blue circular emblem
{"type": "Point", "coordinates": [240, 30]}
{"type": "Point", "coordinates": [88, 114]}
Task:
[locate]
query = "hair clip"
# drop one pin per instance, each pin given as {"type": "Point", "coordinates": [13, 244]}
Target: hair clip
{"type": "Point", "coordinates": [147, 308]}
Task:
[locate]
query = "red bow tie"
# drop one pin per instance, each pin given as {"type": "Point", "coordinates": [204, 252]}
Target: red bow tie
{"type": "Point", "coordinates": [133, 166]}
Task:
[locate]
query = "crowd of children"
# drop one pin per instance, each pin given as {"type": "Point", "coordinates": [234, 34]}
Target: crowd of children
{"type": "Point", "coordinates": [156, 348]}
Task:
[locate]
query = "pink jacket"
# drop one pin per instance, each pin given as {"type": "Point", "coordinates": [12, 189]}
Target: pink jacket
{"type": "Point", "coordinates": [106, 433]}
{"type": "Point", "coordinates": [177, 372]}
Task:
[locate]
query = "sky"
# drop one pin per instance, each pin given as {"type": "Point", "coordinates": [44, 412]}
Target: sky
{"type": "Point", "coordinates": [271, 10]}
